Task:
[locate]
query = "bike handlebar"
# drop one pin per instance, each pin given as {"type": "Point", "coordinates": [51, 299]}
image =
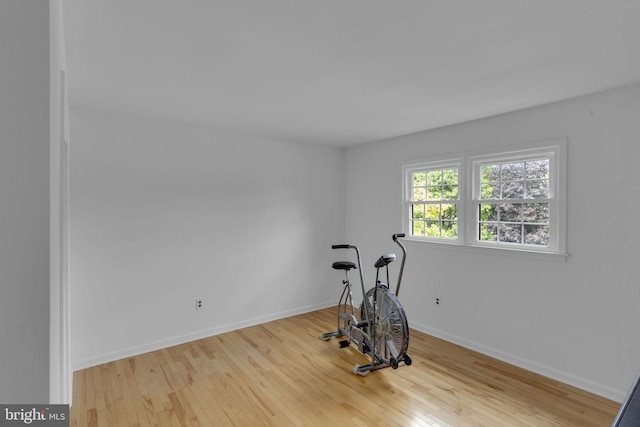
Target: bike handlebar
{"type": "Point", "coordinates": [345, 246]}
{"type": "Point", "coordinates": [404, 257]}
{"type": "Point", "coordinates": [395, 237]}
{"type": "Point", "coordinates": [355, 248]}
{"type": "Point", "coordinates": [340, 246]}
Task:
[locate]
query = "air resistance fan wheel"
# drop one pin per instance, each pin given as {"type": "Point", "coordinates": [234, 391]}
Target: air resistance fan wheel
{"type": "Point", "coordinates": [390, 330]}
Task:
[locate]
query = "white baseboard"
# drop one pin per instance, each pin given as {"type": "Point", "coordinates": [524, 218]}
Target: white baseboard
{"type": "Point", "coordinates": [581, 383]}
{"type": "Point", "coordinates": [170, 342]}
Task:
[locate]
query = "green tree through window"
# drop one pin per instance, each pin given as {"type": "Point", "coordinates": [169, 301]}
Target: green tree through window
{"type": "Point", "coordinates": [434, 207]}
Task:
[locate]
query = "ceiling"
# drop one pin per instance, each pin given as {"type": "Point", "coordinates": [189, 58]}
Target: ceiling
{"type": "Point", "coordinates": [343, 72]}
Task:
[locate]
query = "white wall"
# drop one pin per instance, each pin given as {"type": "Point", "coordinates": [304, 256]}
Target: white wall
{"type": "Point", "coordinates": [24, 201]}
{"type": "Point", "coordinates": [576, 321]}
{"type": "Point", "coordinates": [163, 213]}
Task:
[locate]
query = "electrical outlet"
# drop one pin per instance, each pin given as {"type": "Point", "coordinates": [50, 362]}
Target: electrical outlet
{"type": "Point", "coordinates": [198, 304]}
{"type": "Point", "coordinates": [438, 301]}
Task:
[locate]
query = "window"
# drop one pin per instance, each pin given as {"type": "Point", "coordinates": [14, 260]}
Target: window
{"type": "Point", "coordinates": [434, 200]}
{"type": "Point", "coordinates": [508, 199]}
{"type": "Point", "coordinates": [513, 202]}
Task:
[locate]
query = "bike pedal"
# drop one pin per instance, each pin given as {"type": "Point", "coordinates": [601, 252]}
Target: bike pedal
{"type": "Point", "coordinates": [343, 344]}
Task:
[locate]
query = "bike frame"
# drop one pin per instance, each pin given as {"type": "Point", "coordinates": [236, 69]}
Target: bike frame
{"type": "Point", "coordinates": [359, 331]}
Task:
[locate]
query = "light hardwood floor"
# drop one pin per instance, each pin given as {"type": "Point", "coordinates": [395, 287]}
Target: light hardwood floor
{"type": "Point", "coordinates": [280, 373]}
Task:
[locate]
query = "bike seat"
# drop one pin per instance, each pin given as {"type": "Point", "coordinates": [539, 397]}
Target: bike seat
{"type": "Point", "coordinates": [343, 265]}
{"type": "Point", "coordinates": [384, 260]}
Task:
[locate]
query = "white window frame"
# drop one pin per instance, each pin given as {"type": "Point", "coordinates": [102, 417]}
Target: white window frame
{"type": "Point", "coordinates": [469, 165]}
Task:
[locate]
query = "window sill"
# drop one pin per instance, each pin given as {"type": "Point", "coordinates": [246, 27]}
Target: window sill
{"type": "Point", "coordinates": [488, 250]}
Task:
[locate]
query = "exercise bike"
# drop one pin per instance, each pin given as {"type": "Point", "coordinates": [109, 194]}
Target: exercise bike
{"type": "Point", "coordinates": [379, 328]}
